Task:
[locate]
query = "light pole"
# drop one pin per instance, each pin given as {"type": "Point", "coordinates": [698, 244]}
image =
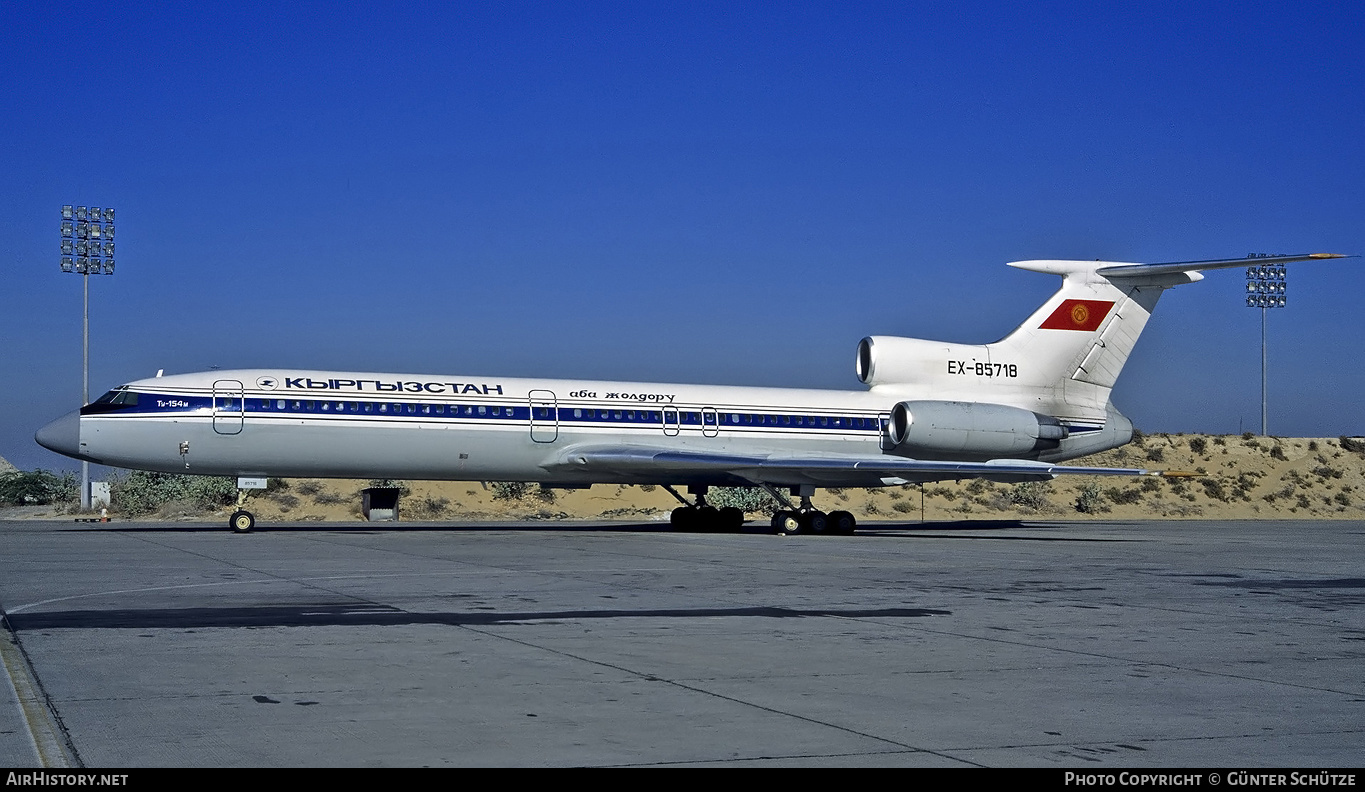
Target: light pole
{"type": "Point", "coordinates": [1265, 290]}
{"type": "Point", "coordinates": [87, 249]}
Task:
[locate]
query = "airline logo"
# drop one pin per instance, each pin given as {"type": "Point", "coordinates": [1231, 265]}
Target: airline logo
{"type": "Point", "coordinates": [1078, 315]}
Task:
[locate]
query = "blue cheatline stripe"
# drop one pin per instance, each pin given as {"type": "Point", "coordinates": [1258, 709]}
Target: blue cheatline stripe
{"type": "Point", "coordinates": [155, 404]}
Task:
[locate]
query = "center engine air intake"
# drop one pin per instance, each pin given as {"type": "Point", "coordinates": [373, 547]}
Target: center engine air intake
{"type": "Point", "coordinates": [956, 429]}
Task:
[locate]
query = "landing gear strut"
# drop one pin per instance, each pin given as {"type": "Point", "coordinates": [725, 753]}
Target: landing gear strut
{"type": "Point", "coordinates": [806, 518]}
{"type": "Point", "coordinates": [701, 516]}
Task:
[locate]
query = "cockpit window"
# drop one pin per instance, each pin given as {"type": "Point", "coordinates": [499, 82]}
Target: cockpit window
{"type": "Point", "coordinates": [116, 399]}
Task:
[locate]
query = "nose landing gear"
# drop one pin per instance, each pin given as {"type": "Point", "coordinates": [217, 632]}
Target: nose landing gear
{"type": "Point", "coordinates": [241, 521]}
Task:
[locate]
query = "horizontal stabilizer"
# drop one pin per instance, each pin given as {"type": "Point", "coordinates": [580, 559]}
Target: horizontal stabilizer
{"type": "Point", "coordinates": [1176, 267]}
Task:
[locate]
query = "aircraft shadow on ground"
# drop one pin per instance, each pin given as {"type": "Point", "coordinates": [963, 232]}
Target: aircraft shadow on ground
{"type": "Point", "coordinates": [353, 614]}
{"type": "Point", "coordinates": [947, 529]}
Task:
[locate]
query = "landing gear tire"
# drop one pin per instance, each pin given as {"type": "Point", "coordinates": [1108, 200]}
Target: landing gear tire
{"type": "Point", "coordinates": [242, 521]}
{"type": "Point", "coordinates": [814, 522]}
{"type": "Point", "coordinates": [731, 519]}
{"type": "Point", "coordinates": [841, 523]}
{"type": "Point", "coordinates": [683, 518]}
{"type": "Point", "coordinates": [786, 523]}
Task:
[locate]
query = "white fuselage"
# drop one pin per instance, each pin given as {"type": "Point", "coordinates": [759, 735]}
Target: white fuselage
{"type": "Point", "coordinates": [347, 425]}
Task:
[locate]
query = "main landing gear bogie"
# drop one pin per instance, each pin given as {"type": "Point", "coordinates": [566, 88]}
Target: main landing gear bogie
{"type": "Point", "coordinates": [805, 518]}
{"type": "Point", "coordinates": [810, 521]}
{"type": "Point", "coordinates": [788, 521]}
{"type": "Point", "coordinates": [707, 518]}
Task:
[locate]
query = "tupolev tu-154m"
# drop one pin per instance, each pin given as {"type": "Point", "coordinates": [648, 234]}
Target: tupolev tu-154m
{"type": "Point", "coordinates": [1010, 411]}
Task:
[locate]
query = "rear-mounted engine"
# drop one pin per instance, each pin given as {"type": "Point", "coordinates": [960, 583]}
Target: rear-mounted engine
{"type": "Point", "coordinates": [959, 430]}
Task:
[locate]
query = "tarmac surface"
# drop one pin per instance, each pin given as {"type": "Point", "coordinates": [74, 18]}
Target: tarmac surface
{"type": "Point", "coordinates": [1085, 645]}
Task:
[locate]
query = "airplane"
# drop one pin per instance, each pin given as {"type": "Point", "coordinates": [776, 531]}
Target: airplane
{"type": "Point", "coordinates": [1008, 411]}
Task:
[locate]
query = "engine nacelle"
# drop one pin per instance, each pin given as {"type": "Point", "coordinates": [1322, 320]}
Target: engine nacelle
{"type": "Point", "coordinates": [893, 360]}
{"type": "Point", "coordinates": [967, 430]}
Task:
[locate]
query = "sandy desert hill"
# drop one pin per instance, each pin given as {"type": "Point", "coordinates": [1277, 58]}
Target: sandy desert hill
{"type": "Point", "coordinates": [1236, 477]}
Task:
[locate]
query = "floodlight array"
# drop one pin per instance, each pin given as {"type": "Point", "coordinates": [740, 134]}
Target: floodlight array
{"type": "Point", "coordinates": [1266, 287]}
{"type": "Point", "coordinates": [87, 240]}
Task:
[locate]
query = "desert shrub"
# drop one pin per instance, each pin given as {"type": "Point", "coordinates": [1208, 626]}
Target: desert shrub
{"type": "Point", "coordinates": [1156, 455]}
{"type": "Point", "coordinates": [1198, 445]}
{"type": "Point", "coordinates": [426, 507]}
{"type": "Point", "coordinates": [398, 484]}
{"type": "Point", "coordinates": [144, 492]}
{"type": "Point", "coordinates": [38, 488]}
{"type": "Point", "coordinates": [1123, 496]}
{"type": "Point", "coordinates": [903, 506]}
{"type": "Point", "coordinates": [1284, 492]}
{"type": "Point", "coordinates": [1246, 482]}
{"type": "Point", "coordinates": [1091, 500]}
{"type": "Point", "coordinates": [328, 499]}
{"type": "Point", "coordinates": [1355, 444]}
{"type": "Point", "coordinates": [545, 494]}
{"type": "Point", "coordinates": [746, 499]}
{"type": "Point", "coordinates": [308, 488]}
{"type": "Point", "coordinates": [510, 490]}
{"type": "Point", "coordinates": [1277, 452]}
{"type": "Point", "coordinates": [1000, 501]}
{"type": "Point", "coordinates": [1029, 495]}
{"type": "Point", "coordinates": [1214, 489]}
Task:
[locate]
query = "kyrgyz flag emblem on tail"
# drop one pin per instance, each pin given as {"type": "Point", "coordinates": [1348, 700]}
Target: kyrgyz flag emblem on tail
{"type": "Point", "coordinates": [1078, 315]}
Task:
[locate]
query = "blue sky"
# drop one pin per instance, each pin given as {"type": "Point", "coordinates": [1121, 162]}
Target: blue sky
{"type": "Point", "coordinates": [686, 192]}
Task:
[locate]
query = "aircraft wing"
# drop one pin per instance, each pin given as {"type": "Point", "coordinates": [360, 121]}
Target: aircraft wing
{"type": "Point", "coordinates": [788, 470]}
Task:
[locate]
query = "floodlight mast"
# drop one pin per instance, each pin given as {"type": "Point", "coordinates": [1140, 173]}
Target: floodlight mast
{"type": "Point", "coordinates": [93, 232]}
{"type": "Point", "coordinates": [1266, 288]}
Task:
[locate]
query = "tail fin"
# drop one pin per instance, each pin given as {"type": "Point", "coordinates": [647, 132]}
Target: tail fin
{"type": "Point", "coordinates": [1077, 342]}
{"type": "Point", "coordinates": [1065, 358]}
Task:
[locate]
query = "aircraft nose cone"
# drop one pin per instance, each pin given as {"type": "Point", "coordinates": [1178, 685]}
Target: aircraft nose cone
{"type": "Point", "coordinates": [62, 435]}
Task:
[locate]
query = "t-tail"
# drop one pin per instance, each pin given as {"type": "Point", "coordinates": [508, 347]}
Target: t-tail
{"type": "Point", "coordinates": [1060, 364]}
